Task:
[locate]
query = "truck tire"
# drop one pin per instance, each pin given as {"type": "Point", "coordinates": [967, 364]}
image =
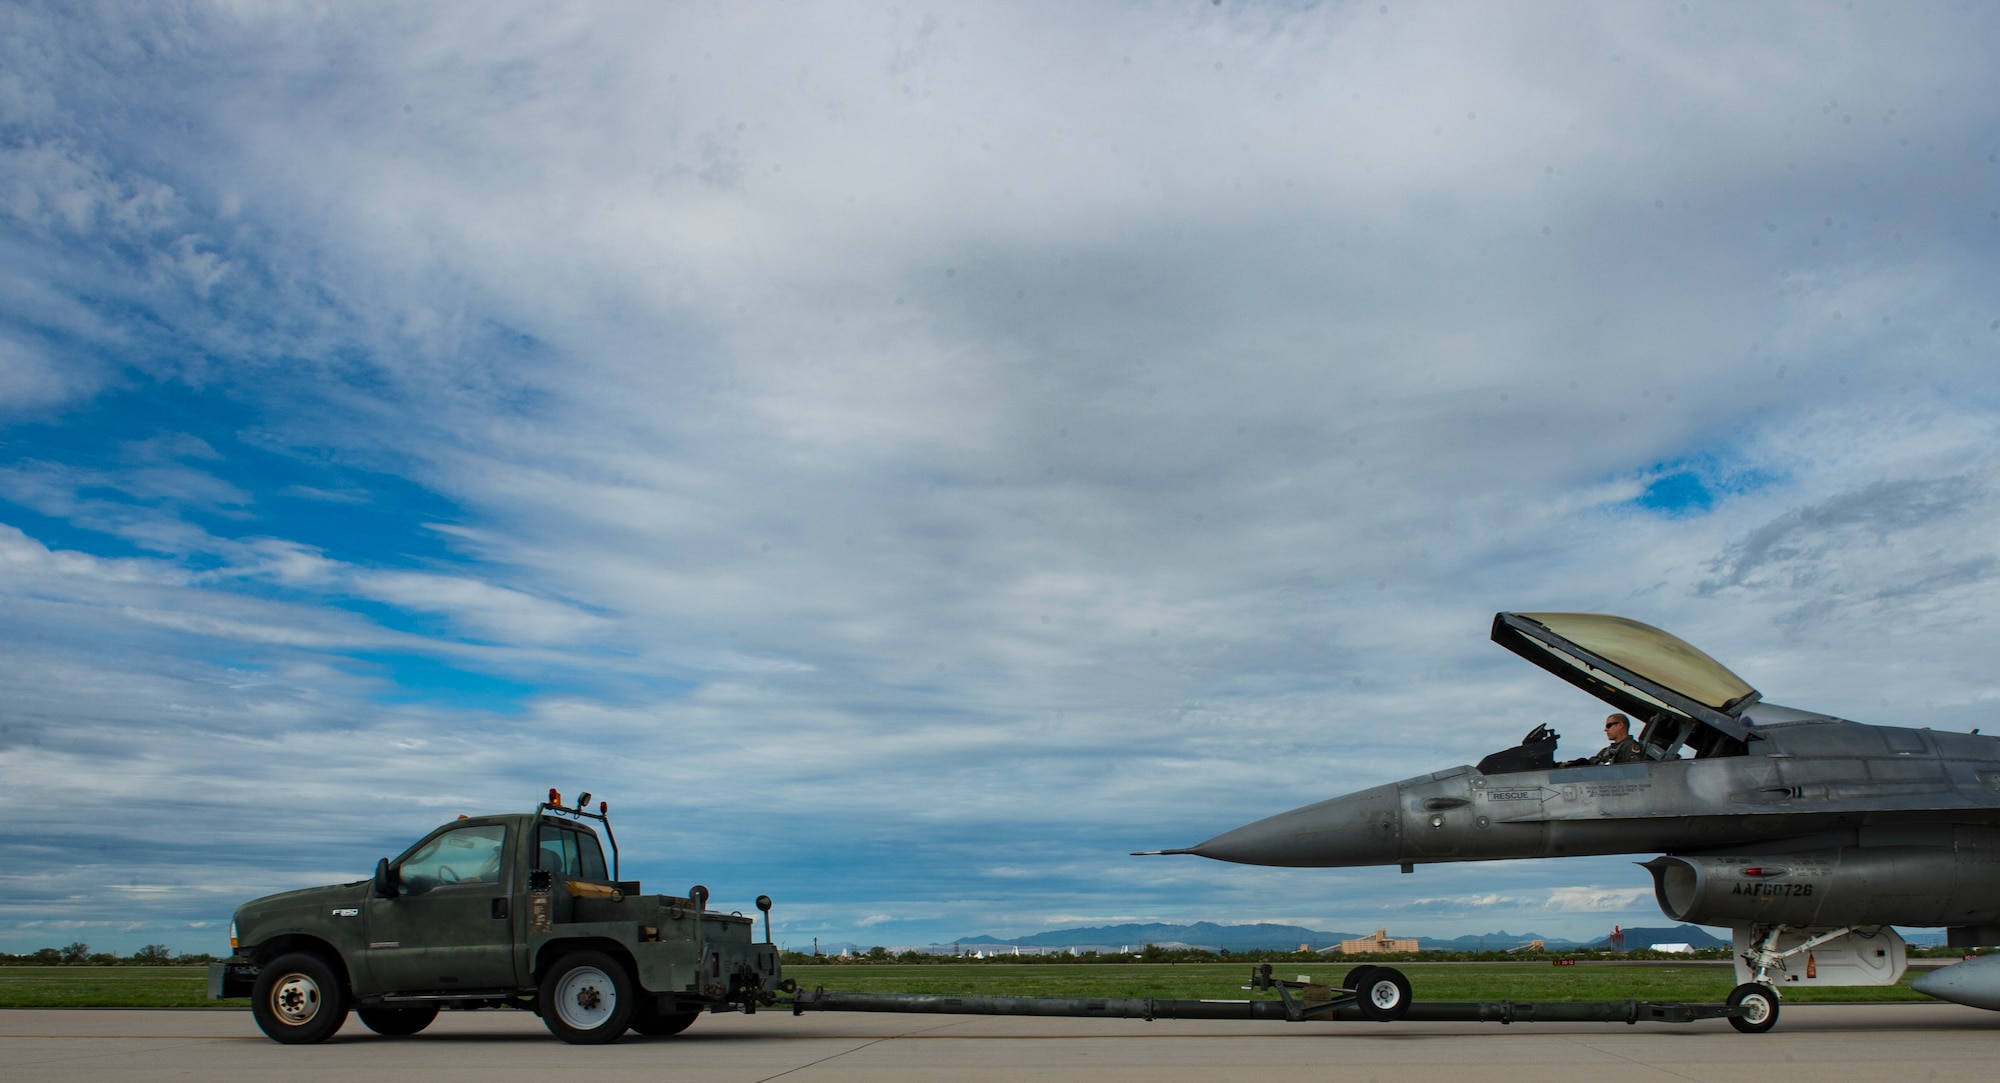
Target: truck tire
{"type": "Point", "coordinates": [586, 998]}
{"type": "Point", "coordinates": [649, 1020]}
{"type": "Point", "coordinates": [298, 999]}
{"type": "Point", "coordinates": [397, 1022]}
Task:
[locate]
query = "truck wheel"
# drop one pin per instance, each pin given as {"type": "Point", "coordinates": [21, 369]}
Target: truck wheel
{"type": "Point", "coordinates": [1759, 1004]}
{"type": "Point", "coordinates": [586, 998]}
{"type": "Point", "coordinates": [649, 1020]}
{"type": "Point", "coordinates": [298, 999]}
{"type": "Point", "coordinates": [1384, 994]}
{"type": "Point", "coordinates": [1355, 977]}
{"type": "Point", "coordinates": [397, 1022]}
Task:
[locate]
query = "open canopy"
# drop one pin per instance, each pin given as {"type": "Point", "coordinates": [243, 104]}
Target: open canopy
{"type": "Point", "coordinates": [1632, 666]}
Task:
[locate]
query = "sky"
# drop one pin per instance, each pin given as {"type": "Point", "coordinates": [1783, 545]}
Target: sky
{"type": "Point", "coordinates": [906, 457]}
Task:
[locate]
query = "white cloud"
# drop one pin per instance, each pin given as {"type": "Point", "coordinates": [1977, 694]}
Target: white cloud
{"type": "Point", "coordinates": [1592, 899]}
{"type": "Point", "coordinates": [991, 439]}
{"type": "Point", "coordinates": [30, 379]}
{"type": "Point", "coordinates": [35, 563]}
{"type": "Point", "coordinates": [508, 615]}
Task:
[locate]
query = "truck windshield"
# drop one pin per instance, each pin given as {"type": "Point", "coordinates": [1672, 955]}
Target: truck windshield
{"type": "Point", "coordinates": [467, 855]}
{"type": "Point", "coordinates": [568, 851]}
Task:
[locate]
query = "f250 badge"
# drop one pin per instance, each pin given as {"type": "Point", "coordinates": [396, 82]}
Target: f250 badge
{"type": "Point", "coordinates": [347, 911]}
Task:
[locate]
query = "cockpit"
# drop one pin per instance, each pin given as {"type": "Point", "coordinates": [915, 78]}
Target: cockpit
{"type": "Point", "coordinates": [1685, 703]}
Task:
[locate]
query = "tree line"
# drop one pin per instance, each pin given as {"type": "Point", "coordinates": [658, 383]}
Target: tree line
{"type": "Point", "coordinates": [78, 953]}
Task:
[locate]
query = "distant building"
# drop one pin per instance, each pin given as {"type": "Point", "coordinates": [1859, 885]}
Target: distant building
{"type": "Point", "coordinates": [1377, 944]}
{"type": "Point", "coordinates": [1675, 949]}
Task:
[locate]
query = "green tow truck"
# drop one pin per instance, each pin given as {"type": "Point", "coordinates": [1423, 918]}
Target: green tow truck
{"type": "Point", "coordinates": [505, 911]}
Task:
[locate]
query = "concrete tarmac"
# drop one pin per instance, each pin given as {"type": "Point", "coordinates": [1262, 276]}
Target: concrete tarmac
{"type": "Point", "coordinates": [1820, 1043]}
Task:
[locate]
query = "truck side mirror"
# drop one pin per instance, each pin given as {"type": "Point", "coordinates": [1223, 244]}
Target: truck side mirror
{"type": "Point", "coordinates": [385, 880]}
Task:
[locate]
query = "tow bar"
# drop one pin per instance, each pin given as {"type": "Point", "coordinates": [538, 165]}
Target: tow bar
{"type": "Point", "coordinates": [1378, 994]}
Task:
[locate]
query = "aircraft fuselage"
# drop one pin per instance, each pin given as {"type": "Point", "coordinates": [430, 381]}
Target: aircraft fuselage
{"type": "Point", "coordinates": [1804, 788]}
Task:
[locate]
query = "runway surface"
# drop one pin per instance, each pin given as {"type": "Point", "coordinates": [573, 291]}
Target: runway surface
{"type": "Point", "coordinates": [1817, 1043]}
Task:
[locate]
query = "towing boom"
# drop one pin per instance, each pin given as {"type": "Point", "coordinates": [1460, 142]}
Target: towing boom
{"type": "Point", "coordinates": [1150, 1008]}
{"type": "Point", "coordinates": [1381, 994]}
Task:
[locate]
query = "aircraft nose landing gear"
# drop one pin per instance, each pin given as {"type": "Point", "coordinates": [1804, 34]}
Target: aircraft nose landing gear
{"type": "Point", "coordinates": [1760, 1007]}
{"type": "Point", "coordinates": [1758, 997]}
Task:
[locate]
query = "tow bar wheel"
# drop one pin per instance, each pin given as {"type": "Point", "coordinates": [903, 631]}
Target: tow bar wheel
{"type": "Point", "coordinates": [1759, 1004]}
{"type": "Point", "coordinates": [1383, 994]}
{"type": "Point", "coordinates": [586, 998]}
{"type": "Point", "coordinates": [298, 999]}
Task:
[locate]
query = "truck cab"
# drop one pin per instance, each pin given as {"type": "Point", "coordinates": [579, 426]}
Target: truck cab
{"type": "Point", "coordinates": [510, 910]}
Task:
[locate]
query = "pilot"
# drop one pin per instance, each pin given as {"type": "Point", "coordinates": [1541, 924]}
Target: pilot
{"type": "Point", "coordinates": [1624, 748]}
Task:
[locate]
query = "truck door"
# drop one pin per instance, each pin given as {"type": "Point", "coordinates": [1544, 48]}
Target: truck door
{"type": "Point", "coordinates": [449, 927]}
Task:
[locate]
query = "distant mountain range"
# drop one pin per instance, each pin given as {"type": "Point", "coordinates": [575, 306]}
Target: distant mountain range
{"type": "Point", "coordinates": [1207, 934]}
{"type": "Point", "coordinates": [1212, 937]}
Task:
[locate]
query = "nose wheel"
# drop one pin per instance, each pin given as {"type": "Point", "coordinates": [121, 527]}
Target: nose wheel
{"type": "Point", "coordinates": [1759, 1004]}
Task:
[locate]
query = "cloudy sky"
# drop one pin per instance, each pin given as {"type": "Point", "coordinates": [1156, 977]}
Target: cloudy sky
{"type": "Point", "coordinates": [905, 457]}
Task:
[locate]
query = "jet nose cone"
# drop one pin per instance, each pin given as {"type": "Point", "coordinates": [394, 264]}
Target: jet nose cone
{"type": "Point", "coordinates": [1975, 982]}
{"type": "Point", "coordinates": [1358, 829]}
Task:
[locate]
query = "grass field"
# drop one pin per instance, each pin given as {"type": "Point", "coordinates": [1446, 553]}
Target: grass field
{"type": "Point", "coordinates": [108, 987]}
{"type": "Point", "coordinates": [187, 987]}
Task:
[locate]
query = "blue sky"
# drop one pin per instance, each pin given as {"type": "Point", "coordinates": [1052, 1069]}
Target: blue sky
{"type": "Point", "coordinates": [905, 459]}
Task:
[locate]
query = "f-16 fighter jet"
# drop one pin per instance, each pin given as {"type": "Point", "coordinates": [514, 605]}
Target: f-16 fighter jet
{"type": "Point", "coordinates": [1807, 835]}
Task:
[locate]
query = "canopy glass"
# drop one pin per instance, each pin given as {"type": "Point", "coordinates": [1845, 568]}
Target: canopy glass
{"type": "Point", "coordinates": [1657, 656]}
